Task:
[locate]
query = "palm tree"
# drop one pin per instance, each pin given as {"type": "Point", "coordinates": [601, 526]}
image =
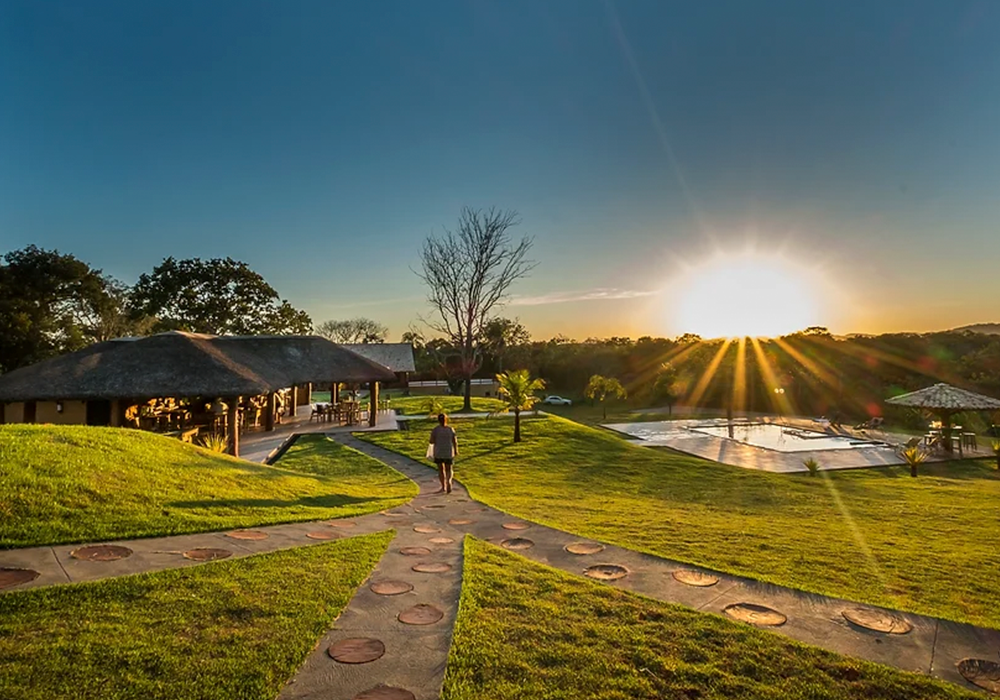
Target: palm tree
{"type": "Point", "coordinates": [517, 391]}
{"type": "Point", "coordinates": [601, 387]}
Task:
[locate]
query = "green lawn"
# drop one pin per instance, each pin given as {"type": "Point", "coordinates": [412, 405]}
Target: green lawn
{"type": "Point", "coordinates": [418, 405]}
{"type": "Point", "coordinates": [871, 535]}
{"type": "Point", "coordinates": [526, 631]}
{"type": "Point", "coordinates": [61, 484]}
{"type": "Point", "coordinates": [230, 629]}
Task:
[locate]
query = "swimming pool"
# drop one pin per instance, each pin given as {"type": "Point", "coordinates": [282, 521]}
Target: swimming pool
{"type": "Point", "coordinates": [782, 438]}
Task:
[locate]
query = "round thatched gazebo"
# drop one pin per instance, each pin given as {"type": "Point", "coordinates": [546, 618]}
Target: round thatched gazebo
{"type": "Point", "coordinates": [946, 400]}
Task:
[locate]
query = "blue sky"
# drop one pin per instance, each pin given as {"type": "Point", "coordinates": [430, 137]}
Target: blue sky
{"type": "Point", "coordinates": [322, 141]}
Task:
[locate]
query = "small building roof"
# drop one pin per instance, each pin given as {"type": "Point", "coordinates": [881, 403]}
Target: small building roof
{"type": "Point", "coordinates": [189, 364]}
{"type": "Point", "coordinates": [945, 397]}
{"type": "Point", "coordinates": [396, 356]}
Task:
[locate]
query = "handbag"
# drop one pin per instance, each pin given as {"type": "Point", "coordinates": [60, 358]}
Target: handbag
{"type": "Point", "coordinates": [430, 451]}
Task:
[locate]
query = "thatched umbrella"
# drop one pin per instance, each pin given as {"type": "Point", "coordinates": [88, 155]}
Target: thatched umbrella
{"type": "Point", "coordinates": [944, 400]}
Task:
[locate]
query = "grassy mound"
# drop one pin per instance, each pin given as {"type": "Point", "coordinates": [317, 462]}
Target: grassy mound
{"type": "Point", "coordinates": [61, 484]}
{"type": "Point", "coordinates": [418, 405]}
{"type": "Point", "coordinates": [870, 535]}
{"type": "Point", "coordinates": [231, 629]}
{"type": "Point", "coordinates": [525, 630]}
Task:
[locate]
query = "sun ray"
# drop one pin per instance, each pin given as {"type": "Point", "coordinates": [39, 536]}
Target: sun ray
{"type": "Point", "coordinates": [740, 376]}
{"type": "Point", "coordinates": [706, 378]}
{"type": "Point", "coordinates": [781, 401]}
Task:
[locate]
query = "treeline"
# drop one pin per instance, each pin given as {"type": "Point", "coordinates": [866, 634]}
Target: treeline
{"type": "Point", "coordinates": [808, 373]}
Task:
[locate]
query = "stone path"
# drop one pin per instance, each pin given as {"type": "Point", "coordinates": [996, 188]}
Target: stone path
{"type": "Point", "coordinates": [388, 659]}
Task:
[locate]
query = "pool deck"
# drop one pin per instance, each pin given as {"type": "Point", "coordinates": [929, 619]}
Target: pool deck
{"type": "Point", "coordinates": [677, 435]}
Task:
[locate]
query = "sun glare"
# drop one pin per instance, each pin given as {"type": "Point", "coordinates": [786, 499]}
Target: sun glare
{"type": "Point", "coordinates": [747, 295]}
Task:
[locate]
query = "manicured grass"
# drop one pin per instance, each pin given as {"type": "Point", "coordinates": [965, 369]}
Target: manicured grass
{"type": "Point", "coordinates": [526, 631]}
{"type": "Point", "coordinates": [61, 484]}
{"type": "Point", "coordinates": [869, 535]}
{"type": "Point", "coordinates": [230, 629]}
{"type": "Point", "coordinates": [417, 405]}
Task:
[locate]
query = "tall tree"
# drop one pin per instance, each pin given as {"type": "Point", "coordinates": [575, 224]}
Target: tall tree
{"type": "Point", "coordinates": [48, 304]}
{"type": "Point", "coordinates": [469, 273]}
{"type": "Point", "coordinates": [220, 296]}
{"type": "Point", "coordinates": [665, 387]}
{"type": "Point", "coordinates": [353, 330]}
{"type": "Point", "coordinates": [499, 334]}
{"type": "Point", "coordinates": [600, 388]}
{"type": "Point", "coordinates": [517, 391]}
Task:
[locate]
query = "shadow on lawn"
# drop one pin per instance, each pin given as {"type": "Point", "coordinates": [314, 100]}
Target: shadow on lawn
{"type": "Point", "coordinates": [325, 501]}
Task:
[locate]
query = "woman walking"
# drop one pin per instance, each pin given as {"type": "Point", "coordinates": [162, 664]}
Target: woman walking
{"type": "Point", "coordinates": [444, 445]}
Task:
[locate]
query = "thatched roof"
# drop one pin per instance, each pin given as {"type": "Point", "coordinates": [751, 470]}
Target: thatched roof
{"type": "Point", "coordinates": [188, 364]}
{"type": "Point", "coordinates": [396, 356]}
{"type": "Point", "coordinates": [945, 397]}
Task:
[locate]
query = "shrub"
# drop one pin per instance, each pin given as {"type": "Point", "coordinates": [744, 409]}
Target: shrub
{"type": "Point", "coordinates": [914, 457]}
{"type": "Point", "coordinates": [433, 406]}
{"type": "Point", "coordinates": [214, 442]}
{"type": "Point", "coordinates": [812, 465]}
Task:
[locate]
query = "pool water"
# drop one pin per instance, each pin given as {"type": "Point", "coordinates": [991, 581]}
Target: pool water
{"type": "Point", "coordinates": [783, 438]}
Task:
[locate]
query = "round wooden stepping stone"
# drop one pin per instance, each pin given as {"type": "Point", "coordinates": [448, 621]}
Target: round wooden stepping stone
{"type": "Point", "coordinates": [207, 554]}
{"type": "Point", "coordinates": [582, 548]}
{"type": "Point", "coordinates": [981, 672]}
{"type": "Point", "coordinates": [391, 587]}
{"type": "Point", "coordinates": [515, 526]}
{"type": "Point", "coordinates": [441, 540]}
{"type": "Point", "coordinates": [607, 572]}
{"type": "Point", "coordinates": [247, 535]}
{"type": "Point", "coordinates": [322, 535]}
{"type": "Point", "coordinates": [15, 577]}
{"type": "Point", "coordinates": [385, 692]}
{"type": "Point", "coordinates": [436, 505]}
{"type": "Point", "coordinates": [877, 620]}
{"type": "Point", "coordinates": [390, 514]}
{"type": "Point", "coordinates": [101, 552]}
{"type": "Point", "coordinates": [695, 578]}
{"type": "Point", "coordinates": [420, 614]}
{"type": "Point", "coordinates": [476, 510]}
{"type": "Point", "coordinates": [426, 529]}
{"type": "Point", "coordinates": [517, 543]}
{"type": "Point", "coordinates": [414, 551]}
{"type": "Point", "coordinates": [755, 614]}
{"type": "Point", "coordinates": [360, 650]}
{"type": "Point", "coordinates": [342, 523]}
{"type": "Point", "coordinates": [432, 567]}
{"type": "Point", "coordinates": [460, 521]}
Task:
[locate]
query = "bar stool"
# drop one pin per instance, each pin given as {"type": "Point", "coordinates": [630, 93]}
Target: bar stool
{"type": "Point", "coordinates": [969, 440]}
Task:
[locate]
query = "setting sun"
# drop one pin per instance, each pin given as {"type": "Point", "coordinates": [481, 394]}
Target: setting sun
{"type": "Point", "coordinates": [746, 295]}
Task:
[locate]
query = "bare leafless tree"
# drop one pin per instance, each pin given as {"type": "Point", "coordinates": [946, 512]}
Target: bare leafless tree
{"type": "Point", "coordinates": [469, 273]}
{"type": "Point", "coordinates": [353, 330]}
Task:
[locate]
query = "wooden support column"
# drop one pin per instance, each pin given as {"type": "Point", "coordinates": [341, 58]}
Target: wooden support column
{"type": "Point", "coordinates": [373, 406]}
{"type": "Point", "coordinates": [117, 413]}
{"type": "Point", "coordinates": [269, 412]}
{"type": "Point", "coordinates": [294, 403]}
{"type": "Point", "coordinates": [233, 420]}
{"type": "Point", "coordinates": [333, 393]}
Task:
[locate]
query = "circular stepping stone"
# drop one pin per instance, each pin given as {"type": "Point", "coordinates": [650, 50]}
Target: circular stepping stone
{"type": "Point", "coordinates": [101, 552]}
{"type": "Point", "coordinates": [433, 567]}
{"type": "Point", "coordinates": [607, 572]}
{"type": "Point", "coordinates": [476, 510]}
{"type": "Point", "coordinates": [15, 577]}
{"type": "Point", "coordinates": [437, 505]}
{"type": "Point", "coordinates": [360, 650]}
{"type": "Point", "coordinates": [517, 543]}
{"type": "Point", "coordinates": [755, 614]}
{"type": "Point", "coordinates": [695, 578]}
{"type": "Point", "coordinates": [441, 540]}
{"type": "Point", "coordinates": [247, 535]}
{"type": "Point", "coordinates": [390, 514]}
{"type": "Point", "coordinates": [515, 526]}
{"type": "Point", "coordinates": [342, 523]}
{"type": "Point", "coordinates": [877, 620]}
{"type": "Point", "coordinates": [322, 535]}
{"type": "Point", "coordinates": [391, 587]}
{"type": "Point", "coordinates": [414, 551]}
{"type": "Point", "coordinates": [426, 529]}
{"type": "Point", "coordinates": [460, 521]}
{"type": "Point", "coordinates": [385, 692]}
{"type": "Point", "coordinates": [582, 548]}
{"type": "Point", "coordinates": [420, 614]}
{"type": "Point", "coordinates": [207, 554]}
{"type": "Point", "coordinates": [981, 672]}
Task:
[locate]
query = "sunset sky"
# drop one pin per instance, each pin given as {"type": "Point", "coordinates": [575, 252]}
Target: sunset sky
{"type": "Point", "coordinates": [849, 152]}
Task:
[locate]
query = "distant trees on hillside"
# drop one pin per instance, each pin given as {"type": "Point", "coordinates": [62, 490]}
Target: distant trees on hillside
{"type": "Point", "coordinates": [353, 330]}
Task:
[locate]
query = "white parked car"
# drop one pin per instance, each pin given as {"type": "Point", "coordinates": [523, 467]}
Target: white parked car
{"type": "Point", "coordinates": [557, 401]}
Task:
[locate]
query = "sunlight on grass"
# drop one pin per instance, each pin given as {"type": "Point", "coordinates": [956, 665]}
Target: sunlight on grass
{"type": "Point", "coordinates": [61, 484]}
{"type": "Point", "coordinates": [913, 544]}
{"type": "Point", "coordinates": [231, 629]}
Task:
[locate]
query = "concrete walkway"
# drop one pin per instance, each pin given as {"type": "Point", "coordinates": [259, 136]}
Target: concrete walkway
{"type": "Point", "coordinates": [415, 655]}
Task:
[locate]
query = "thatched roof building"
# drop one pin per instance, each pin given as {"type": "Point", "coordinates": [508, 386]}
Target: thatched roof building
{"type": "Point", "coordinates": [945, 397]}
{"type": "Point", "coordinates": [396, 356]}
{"type": "Point", "coordinates": [189, 364]}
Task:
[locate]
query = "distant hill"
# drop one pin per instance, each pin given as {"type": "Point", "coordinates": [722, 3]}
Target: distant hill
{"type": "Point", "coordinates": [987, 328]}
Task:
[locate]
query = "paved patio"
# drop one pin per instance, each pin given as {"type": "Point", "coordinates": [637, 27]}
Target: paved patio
{"type": "Point", "coordinates": [678, 435]}
{"type": "Point", "coordinates": [259, 445]}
